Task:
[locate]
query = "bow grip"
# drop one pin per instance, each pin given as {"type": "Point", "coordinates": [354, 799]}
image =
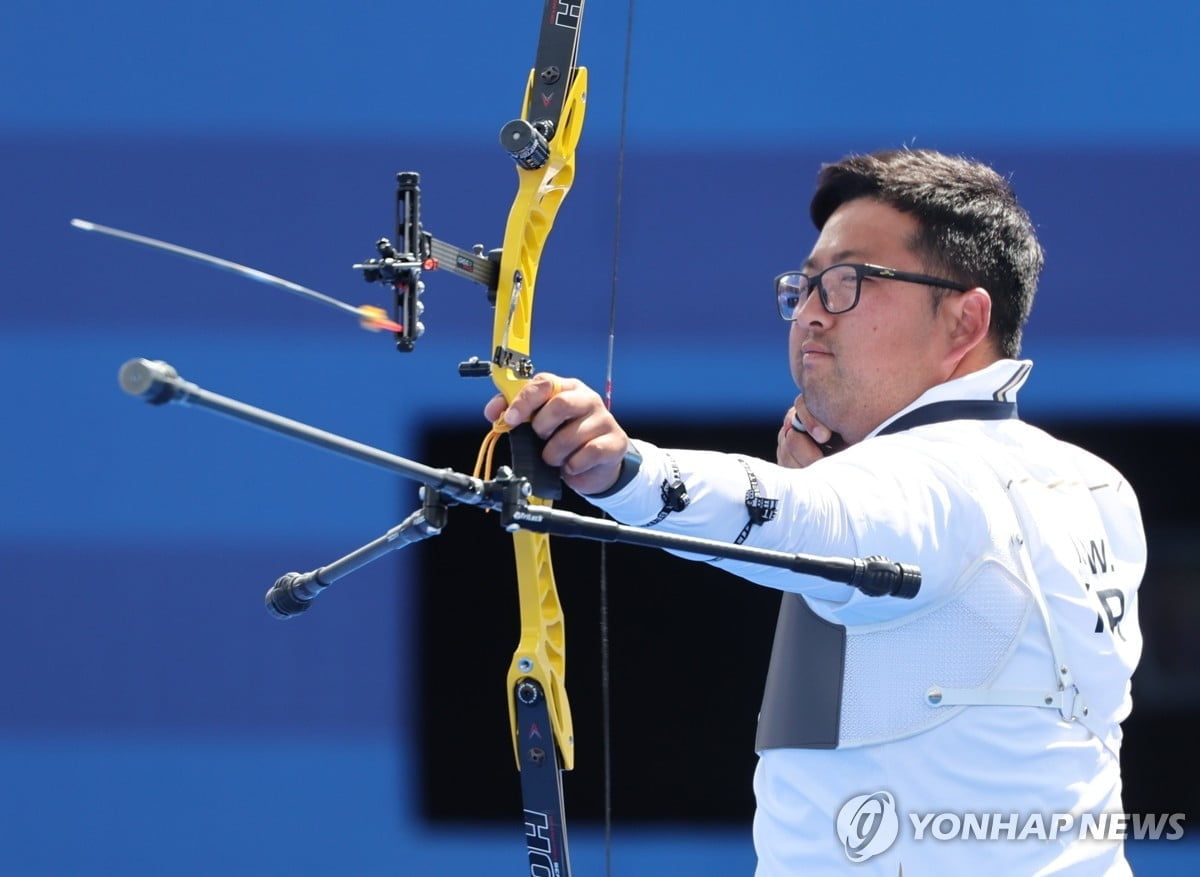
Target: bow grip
{"type": "Point", "coordinates": [526, 448]}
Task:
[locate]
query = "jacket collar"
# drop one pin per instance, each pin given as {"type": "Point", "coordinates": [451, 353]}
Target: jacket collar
{"type": "Point", "coordinates": [987, 394]}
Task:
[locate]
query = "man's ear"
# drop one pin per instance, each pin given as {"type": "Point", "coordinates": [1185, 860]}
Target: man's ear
{"type": "Point", "coordinates": [969, 315]}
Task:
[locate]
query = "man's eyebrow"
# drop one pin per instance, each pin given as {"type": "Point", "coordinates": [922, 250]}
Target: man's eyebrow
{"type": "Point", "coordinates": [837, 258]}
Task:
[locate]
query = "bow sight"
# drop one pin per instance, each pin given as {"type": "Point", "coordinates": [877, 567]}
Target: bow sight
{"type": "Point", "coordinates": [400, 265]}
{"type": "Point", "coordinates": [528, 140]}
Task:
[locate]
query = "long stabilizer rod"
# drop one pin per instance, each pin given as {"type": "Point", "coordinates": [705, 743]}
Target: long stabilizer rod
{"type": "Point", "coordinates": [158, 383]}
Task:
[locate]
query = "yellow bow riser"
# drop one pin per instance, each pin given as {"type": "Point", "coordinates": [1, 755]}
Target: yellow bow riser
{"type": "Point", "coordinates": [540, 654]}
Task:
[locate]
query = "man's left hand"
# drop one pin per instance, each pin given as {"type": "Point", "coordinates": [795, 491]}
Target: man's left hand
{"type": "Point", "coordinates": [583, 439]}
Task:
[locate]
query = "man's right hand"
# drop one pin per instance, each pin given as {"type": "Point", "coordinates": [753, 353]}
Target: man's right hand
{"type": "Point", "coordinates": [803, 439]}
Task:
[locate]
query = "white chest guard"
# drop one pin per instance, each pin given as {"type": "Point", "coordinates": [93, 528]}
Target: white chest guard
{"type": "Point", "coordinates": [832, 686]}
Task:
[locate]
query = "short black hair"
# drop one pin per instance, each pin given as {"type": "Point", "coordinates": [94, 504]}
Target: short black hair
{"type": "Point", "coordinates": [973, 230]}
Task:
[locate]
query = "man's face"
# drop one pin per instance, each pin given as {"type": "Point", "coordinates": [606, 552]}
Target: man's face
{"type": "Point", "coordinates": [859, 367]}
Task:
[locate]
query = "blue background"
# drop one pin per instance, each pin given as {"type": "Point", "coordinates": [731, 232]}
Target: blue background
{"type": "Point", "coordinates": [154, 720]}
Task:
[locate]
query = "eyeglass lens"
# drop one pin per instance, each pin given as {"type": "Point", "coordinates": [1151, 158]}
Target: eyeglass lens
{"type": "Point", "coordinates": [839, 283]}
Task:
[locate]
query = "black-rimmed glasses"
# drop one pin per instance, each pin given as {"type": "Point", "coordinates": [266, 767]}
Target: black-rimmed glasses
{"type": "Point", "coordinates": [840, 285]}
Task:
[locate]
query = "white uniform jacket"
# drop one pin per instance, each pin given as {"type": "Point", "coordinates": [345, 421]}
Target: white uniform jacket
{"type": "Point", "coordinates": [976, 727]}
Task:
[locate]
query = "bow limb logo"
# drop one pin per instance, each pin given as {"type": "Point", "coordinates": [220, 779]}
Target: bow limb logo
{"type": "Point", "coordinates": [868, 825]}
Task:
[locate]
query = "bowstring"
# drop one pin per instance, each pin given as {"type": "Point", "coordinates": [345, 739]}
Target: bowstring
{"type": "Point", "coordinates": [605, 666]}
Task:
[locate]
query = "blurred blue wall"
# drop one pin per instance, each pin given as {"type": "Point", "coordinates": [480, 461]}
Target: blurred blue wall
{"type": "Point", "coordinates": [154, 720]}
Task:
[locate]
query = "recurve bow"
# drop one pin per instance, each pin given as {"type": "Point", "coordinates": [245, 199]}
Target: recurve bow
{"type": "Point", "coordinates": [543, 144]}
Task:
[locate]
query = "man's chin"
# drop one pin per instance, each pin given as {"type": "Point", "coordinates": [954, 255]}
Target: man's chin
{"type": "Point", "coordinates": [817, 399]}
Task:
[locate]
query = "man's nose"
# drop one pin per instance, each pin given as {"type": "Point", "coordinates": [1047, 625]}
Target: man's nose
{"type": "Point", "coordinates": [812, 310]}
